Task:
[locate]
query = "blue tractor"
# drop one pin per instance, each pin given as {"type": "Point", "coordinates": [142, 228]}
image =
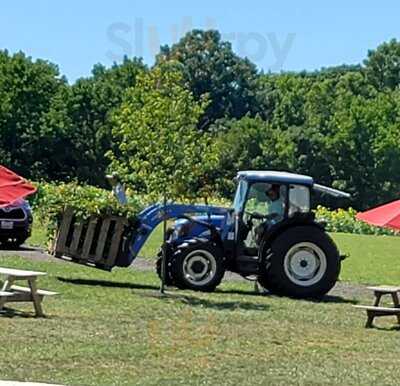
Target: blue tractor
{"type": "Point", "coordinates": [269, 234]}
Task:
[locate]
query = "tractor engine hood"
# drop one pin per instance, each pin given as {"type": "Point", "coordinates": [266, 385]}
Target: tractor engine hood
{"type": "Point", "coordinates": [184, 228]}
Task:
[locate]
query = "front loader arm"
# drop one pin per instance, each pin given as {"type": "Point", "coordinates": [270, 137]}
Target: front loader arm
{"type": "Point", "coordinates": [152, 216]}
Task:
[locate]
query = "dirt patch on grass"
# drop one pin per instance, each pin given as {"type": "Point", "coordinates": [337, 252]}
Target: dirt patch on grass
{"type": "Point", "coordinates": [28, 252]}
{"type": "Point", "coordinates": [351, 291]}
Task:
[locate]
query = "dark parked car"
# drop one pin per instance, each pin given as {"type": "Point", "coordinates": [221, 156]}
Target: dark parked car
{"type": "Point", "coordinates": [15, 224]}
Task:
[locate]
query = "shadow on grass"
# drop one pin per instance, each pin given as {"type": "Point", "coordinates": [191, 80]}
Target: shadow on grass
{"type": "Point", "coordinates": [106, 283]}
{"type": "Point", "coordinates": [325, 299]}
{"type": "Point", "coordinates": [240, 292]}
{"type": "Point", "coordinates": [217, 305]}
{"type": "Point", "coordinates": [194, 301]}
{"type": "Point", "coordinates": [182, 298]}
{"type": "Point", "coordinates": [11, 313]}
{"type": "Point", "coordinates": [201, 302]}
{"type": "Point", "coordinates": [334, 299]}
{"type": "Point", "coordinates": [381, 328]}
{"type": "Point", "coordinates": [21, 248]}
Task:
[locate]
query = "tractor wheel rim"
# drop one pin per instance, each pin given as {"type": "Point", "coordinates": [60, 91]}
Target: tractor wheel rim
{"type": "Point", "coordinates": [199, 267]}
{"type": "Point", "coordinates": [305, 264]}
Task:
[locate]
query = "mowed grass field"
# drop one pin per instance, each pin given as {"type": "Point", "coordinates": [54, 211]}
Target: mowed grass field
{"type": "Point", "coordinates": [115, 329]}
{"type": "Point", "coordinates": [372, 259]}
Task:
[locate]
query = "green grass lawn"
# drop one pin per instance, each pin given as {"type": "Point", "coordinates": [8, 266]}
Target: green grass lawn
{"type": "Point", "coordinates": [114, 329]}
{"type": "Point", "coordinates": [372, 259]}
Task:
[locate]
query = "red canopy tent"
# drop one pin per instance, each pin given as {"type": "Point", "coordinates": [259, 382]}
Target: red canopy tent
{"type": "Point", "coordinates": [13, 187]}
{"type": "Point", "coordinates": [387, 215]}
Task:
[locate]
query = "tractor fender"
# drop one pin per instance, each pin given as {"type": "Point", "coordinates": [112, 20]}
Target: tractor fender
{"type": "Point", "coordinates": [271, 233]}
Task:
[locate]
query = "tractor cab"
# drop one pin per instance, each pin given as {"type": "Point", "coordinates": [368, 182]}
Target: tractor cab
{"type": "Point", "coordinates": [266, 200]}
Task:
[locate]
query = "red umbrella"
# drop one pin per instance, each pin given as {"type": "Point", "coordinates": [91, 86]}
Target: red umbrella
{"type": "Point", "coordinates": [387, 215]}
{"type": "Point", "coordinates": [13, 187]}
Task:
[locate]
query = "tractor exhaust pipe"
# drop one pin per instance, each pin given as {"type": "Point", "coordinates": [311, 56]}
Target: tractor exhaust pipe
{"type": "Point", "coordinates": [331, 191]}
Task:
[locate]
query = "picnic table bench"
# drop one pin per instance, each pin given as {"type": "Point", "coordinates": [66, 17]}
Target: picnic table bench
{"type": "Point", "coordinates": [14, 293]}
{"type": "Point", "coordinates": [376, 310]}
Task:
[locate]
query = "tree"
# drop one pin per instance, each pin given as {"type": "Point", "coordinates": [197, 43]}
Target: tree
{"type": "Point", "coordinates": [382, 66]}
{"type": "Point", "coordinates": [333, 72]}
{"type": "Point", "coordinates": [81, 117]}
{"type": "Point", "coordinates": [212, 69]}
{"type": "Point", "coordinates": [160, 151]}
{"type": "Point", "coordinates": [27, 89]}
{"type": "Point", "coordinates": [247, 144]}
{"type": "Point", "coordinates": [339, 129]}
{"type": "Point", "coordinates": [365, 149]}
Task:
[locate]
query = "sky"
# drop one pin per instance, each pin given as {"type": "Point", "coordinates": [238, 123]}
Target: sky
{"type": "Point", "coordinates": [276, 35]}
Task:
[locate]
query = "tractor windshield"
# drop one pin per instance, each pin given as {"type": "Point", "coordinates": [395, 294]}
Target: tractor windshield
{"type": "Point", "coordinates": [240, 196]}
{"type": "Point", "coordinates": [266, 199]}
{"type": "Point", "coordinates": [265, 205]}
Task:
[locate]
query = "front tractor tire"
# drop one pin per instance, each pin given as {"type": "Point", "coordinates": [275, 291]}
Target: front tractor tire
{"type": "Point", "coordinates": [169, 280]}
{"type": "Point", "coordinates": [197, 265]}
{"type": "Point", "coordinates": [302, 262]}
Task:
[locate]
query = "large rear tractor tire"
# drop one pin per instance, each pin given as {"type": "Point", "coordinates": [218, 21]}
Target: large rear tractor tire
{"type": "Point", "coordinates": [302, 262]}
{"type": "Point", "coordinates": [198, 265]}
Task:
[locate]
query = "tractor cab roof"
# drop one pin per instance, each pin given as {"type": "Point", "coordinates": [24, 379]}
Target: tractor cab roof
{"type": "Point", "coordinates": [278, 177]}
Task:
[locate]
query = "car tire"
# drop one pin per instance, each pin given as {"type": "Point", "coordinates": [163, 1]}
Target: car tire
{"type": "Point", "coordinates": [14, 243]}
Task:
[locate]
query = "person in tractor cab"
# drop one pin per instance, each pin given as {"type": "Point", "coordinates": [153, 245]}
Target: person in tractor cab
{"type": "Point", "coordinates": [267, 207]}
{"type": "Point", "coordinates": [275, 203]}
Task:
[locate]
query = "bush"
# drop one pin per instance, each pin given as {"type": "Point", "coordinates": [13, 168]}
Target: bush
{"type": "Point", "coordinates": [51, 200]}
{"type": "Point", "coordinates": [345, 221]}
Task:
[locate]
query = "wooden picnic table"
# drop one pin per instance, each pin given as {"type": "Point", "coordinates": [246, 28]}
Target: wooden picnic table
{"type": "Point", "coordinates": [14, 293]}
{"type": "Point", "coordinates": [376, 310]}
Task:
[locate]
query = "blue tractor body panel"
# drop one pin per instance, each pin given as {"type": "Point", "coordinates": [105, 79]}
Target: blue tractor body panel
{"type": "Point", "coordinates": [185, 229]}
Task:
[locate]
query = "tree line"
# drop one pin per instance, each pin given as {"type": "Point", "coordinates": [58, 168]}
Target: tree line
{"type": "Point", "coordinates": [186, 125]}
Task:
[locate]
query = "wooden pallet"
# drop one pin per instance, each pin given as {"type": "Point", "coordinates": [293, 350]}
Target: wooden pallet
{"type": "Point", "coordinates": [96, 242]}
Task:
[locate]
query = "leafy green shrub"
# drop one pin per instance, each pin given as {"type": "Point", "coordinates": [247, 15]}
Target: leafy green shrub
{"type": "Point", "coordinates": [345, 221]}
{"type": "Point", "coordinates": [51, 200]}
